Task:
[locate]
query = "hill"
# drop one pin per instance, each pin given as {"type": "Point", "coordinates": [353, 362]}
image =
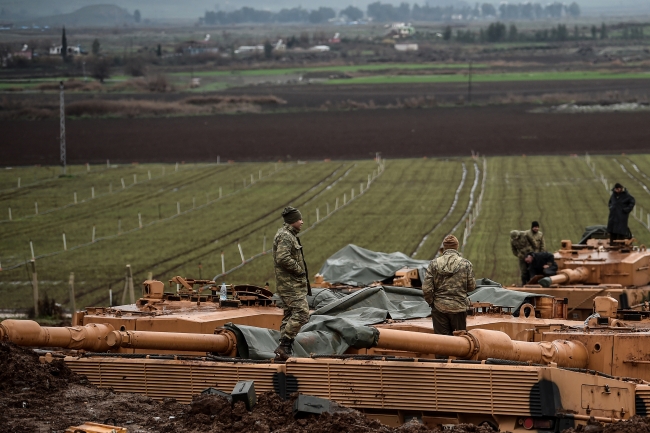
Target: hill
{"type": "Point", "coordinates": [95, 15]}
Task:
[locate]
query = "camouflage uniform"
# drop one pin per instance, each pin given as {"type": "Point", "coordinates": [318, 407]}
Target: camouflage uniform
{"type": "Point", "coordinates": [291, 280]}
{"type": "Point", "coordinates": [448, 280]}
{"type": "Point", "coordinates": [520, 247]}
{"type": "Point", "coordinates": [536, 241]}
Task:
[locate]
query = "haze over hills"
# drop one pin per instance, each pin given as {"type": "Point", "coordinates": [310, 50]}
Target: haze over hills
{"type": "Point", "coordinates": [192, 9]}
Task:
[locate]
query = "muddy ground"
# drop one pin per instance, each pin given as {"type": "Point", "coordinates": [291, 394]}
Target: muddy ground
{"type": "Point", "coordinates": [397, 133]}
{"type": "Point", "coordinates": [48, 398]}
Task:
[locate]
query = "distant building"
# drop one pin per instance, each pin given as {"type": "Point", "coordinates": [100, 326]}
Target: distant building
{"type": "Point", "coordinates": [249, 49]}
{"type": "Point", "coordinates": [406, 47]}
{"type": "Point", "coordinates": [401, 30]}
{"type": "Point", "coordinates": [72, 51]}
{"type": "Point", "coordinates": [320, 48]}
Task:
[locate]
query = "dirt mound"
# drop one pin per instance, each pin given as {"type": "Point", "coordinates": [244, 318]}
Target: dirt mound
{"type": "Point", "coordinates": [50, 397]}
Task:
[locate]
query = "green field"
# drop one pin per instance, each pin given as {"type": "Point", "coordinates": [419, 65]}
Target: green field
{"type": "Point", "coordinates": [492, 77]}
{"type": "Point", "coordinates": [404, 203]}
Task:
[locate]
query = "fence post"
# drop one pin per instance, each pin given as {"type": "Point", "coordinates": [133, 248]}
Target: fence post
{"type": "Point", "coordinates": [345, 199]}
{"type": "Point", "coordinates": [223, 264]}
{"type": "Point", "coordinates": [10, 218]}
{"type": "Point", "coordinates": [110, 297]}
{"type": "Point", "coordinates": [131, 290]}
{"type": "Point", "coordinates": [328, 208]}
{"type": "Point", "coordinates": [178, 208]}
{"type": "Point", "coordinates": [352, 194]}
{"type": "Point", "coordinates": [139, 219]}
{"type": "Point", "coordinates": [241, 253]}
{"type": "Point", "coordinates": [31, 248]}
{"type": "Point", "coordinates": [87, 168]}
{"type": "Point", "coordinates": [317, 214]}
{"type": "Point", "coordinates": [92, 191]}
{"type": "Point", "coordinates": [72, 300]}
{"type": "Point", "coordinates": [176, 167]}
{"type": "Point", "coordinates": [135, 178]}
{"type": "Point", "coordinates": [35, 287]}
{"type": "Point", "coordinates": [93, 238]}
{"type": "Point", "coordinates": [65, 244]}
{"type": "Point", "coordinates": [123, 185]}
{"type": "Point", "coordinates": [35, 208]}
{"type": "Point", "coordinates": [336, 205]}
{"type": "Point", "coordinates": [149, 174]}
{"type": "Point", "coordinates": [18, 182]}
{"type": "Point", "coordinates": [75, 197]}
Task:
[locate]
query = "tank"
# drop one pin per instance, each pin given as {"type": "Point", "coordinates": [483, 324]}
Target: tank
{"type": "Point", "coordinates": [595, 268]}
{"type": "Point", "coordinates": [536, 370]}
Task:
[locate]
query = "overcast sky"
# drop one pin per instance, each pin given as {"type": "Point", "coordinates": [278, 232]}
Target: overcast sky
{"type": "Point", "coordinates": [157, 9]}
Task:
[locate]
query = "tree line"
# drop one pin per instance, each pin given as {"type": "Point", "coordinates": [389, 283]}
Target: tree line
{"type": "Point", "coordinates": [386, 12]}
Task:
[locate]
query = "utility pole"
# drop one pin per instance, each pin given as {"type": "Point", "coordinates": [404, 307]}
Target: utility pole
{"type": "Point", "coordinates": [62, 124]}
{"type": "Point", "coordinates": [469, 83]}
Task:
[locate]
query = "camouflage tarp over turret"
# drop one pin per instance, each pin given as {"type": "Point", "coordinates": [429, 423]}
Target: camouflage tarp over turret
{"type": "Point", "coordinates": [340, 323]}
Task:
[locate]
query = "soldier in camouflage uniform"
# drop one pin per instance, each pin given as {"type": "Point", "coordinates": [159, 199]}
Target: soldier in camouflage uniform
{"type": "Point", "coordinates": [536, 238]}
{"type": "Point", "coordinates": [291, 280]}
{"type": "Point", "coordinates": [520, 247]}
{"type": "Point", "coordinates": [447, 281]}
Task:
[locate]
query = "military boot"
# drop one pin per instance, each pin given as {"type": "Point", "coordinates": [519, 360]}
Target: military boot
{"type": "Point", "coordinates": [284, 351]}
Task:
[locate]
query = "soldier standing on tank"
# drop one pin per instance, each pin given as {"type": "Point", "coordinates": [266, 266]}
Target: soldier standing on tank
{"type": "Point", "coordinates": [448, 279]}
{"type": "Point", "coordinates": [291, 280]}
{"type": "Point", "coordinates": [520, 247]}
{"type": "Point", "coordinates": [621, 204]}
{"type": "Point", "coordinates": [536, 238]}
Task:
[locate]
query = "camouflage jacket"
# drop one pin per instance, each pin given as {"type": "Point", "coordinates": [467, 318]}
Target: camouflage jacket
{"type": "Point", "coordinates": [290, 268]}
{"type": "Point", "coordinates": [536, 241]}
{"type": "Point", "coordinates": [448, 280]}
{"type": "Point", "coordinates": [519, 244]}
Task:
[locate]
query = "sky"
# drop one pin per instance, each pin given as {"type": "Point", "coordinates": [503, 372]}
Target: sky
{"type": "Point", "coordinates": [190, 9]}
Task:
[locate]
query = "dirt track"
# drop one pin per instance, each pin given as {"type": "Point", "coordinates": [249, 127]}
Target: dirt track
{"type": "Point", "coordinates": [494, 130]}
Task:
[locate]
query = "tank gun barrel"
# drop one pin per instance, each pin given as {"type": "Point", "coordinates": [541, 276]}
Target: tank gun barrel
{"type": "Point", "coordinates": [481, 344]}
{"type": "Point", "coordinates": [103, 337]}
{"type": "Point", "coordinates": [29, 333]}
{"type": "Point", "coordinates": [223, 343]}
{"type": "Point", "coordinates": [567, 276]}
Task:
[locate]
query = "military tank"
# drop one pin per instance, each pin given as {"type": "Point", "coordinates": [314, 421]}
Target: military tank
{"type": "Point", "coordinates": [372, 349]}
{"type": "Point", "coordinates": [594, 268]}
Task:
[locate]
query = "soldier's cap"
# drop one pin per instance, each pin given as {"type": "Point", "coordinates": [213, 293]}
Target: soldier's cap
{"type": "Point", "coordinates": [534, 224]}
{"type": "Point", "coordinates": [291, 215]}
{"type": "Point", "coordinates": [618, 185]}
{"type": "Point", "coordinates": [531, 254]}
{"type": "Point", "coordinates": [450, 243]}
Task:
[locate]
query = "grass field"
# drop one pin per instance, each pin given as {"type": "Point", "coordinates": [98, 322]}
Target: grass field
{"type": "Point", "coordinates": [409, 200]}
{"type": "Point", "coordinates": [492, 77]}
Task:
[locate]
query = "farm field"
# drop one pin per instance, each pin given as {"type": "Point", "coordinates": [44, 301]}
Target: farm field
{"type": "Point", "coordinates": [187, 223]}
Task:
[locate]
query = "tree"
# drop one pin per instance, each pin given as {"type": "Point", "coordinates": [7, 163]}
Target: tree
{"type": "Point", "coordinates": [594, 31]}
{"type": "Point", "coordinates": [137, 16]}
{"type": "Point", "coordinates": [496, 32]}
{"type": "Point", "coordinates": [603, 31]}
{"type": "Point", "coordinates": [268, 49]}
{"type": "Point", "coordinates": [574, 10]}
{"type": "Point", "coordinates": [96, 47]}
{"type": "Point", "coordinates": [159, 50]}
{"type": "Point", "coordinates": [512, 34]}
{"type": "Point", "coordinates": [352, 13]}
{"type": "Point", "coordinates": [321, 15]}
{"type": "Point", "coordinates": [64, 46]}
{"type": "Point", "coordinates": [101, 68]}
{"type": "Point", "coordinates": [446, 34]}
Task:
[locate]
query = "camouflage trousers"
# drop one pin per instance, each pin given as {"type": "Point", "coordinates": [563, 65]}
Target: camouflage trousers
{"type": "Point", "coordinates": [296, 314]}
{"type": "Point", "coordinates": [523, 270]}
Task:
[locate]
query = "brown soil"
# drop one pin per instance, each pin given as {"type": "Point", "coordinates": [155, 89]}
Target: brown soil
{"type": "Point", "coordinates": [399, 133]}
{"type": "Point", "coordinates": [42, 397]}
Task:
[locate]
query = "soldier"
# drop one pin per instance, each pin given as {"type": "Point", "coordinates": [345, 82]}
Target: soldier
{"type": "Point", "coordinates": [536, 238]}
{"type": "Point", "coordinates": [541, 264]}
{"type": "Point", "coordinates": [520, 247]}
{"type": "Point", "coordinates": [291, 280]}
{"type": "Point", "coordinates": [448, 280]}
{"type": "Point", "coordinates": [621, 204]}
